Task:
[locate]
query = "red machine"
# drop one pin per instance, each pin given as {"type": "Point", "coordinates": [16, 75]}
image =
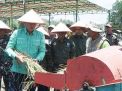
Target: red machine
{"type": "Point", "coordinates": [100, 67]}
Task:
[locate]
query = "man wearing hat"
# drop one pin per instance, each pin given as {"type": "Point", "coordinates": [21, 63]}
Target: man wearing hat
{"type": "Point", "coordinates": [47, 61]}
{"type": "Point", "coordinates": [51, 35]}
{"type": "Point", "coordinates": [51, 27]}
{"type": "Point", "coordinates": [79, 38]}
{"type": "Point", "coordinates": [110, 35]}
{"type": "Point", "coordinates": [62, 48]}
{"type": "Point", "coordinates": [26, 40]}
{"type": "Point", "coordinates": [95, 40]}
{"type": "Point", "coordinates": [5, 63]}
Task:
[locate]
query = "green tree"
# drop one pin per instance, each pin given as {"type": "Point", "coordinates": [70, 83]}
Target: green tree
{"type": "Point", "coordinates": [116, 14]}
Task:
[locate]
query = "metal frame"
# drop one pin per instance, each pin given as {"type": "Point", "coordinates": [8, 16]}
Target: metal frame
{"type": "Point", "coordinates": [17, 7]}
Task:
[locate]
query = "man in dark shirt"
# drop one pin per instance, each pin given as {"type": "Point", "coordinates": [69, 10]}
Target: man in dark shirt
{"type": "Point", "coordinates": [5, 60]}
{"type": "Point", "coordinates": [62, 47]}
{"type": "Point", "coordinates": [51, 35]}
{"type": "Point", "coordinates": [110, 35]}
{"type": "Point", "coordinates": [79, 38]}
{"type": "Point", "coordinates": [47, 61]}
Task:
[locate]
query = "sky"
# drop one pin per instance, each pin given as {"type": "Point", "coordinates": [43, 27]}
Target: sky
{"type": "Point", "coordinates": [99, 18]}
{"type": "Point", "coordinates": [104, 3]}
{"type": "Point", "coordinates": [96, 18]}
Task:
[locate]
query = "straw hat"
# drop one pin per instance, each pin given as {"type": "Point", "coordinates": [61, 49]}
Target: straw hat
{"type": "Point", "coordinates": [61, 28]}
{"type": "Point", "coordinates": [94, 29]}
{"type": "Point", "coordinates": [5, 27]}
{"type": "Point", "coordinates": [108, 25]}
{"type": "Point", "coordinates": [79, 24]}
{"type": "Point", "coordinates": [42, 30]}
{"type": "Point", "coordinates": [31, 17]}
{"type": "Point", "coordinates": [51, 26]}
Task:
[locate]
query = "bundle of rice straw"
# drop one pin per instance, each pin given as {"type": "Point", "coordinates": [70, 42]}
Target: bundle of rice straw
{"type": "Point", "coordinates": [32, 67]}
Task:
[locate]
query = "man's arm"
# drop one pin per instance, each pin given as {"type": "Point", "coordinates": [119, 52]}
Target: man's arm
{"type": "Point", "coordinates": [11, 44]}
{"type": "Point", "coordinates": [41, 49]}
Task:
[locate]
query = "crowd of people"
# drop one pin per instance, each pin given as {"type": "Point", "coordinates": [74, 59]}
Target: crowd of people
{"type": "Point", "coordinates": [51, 49]}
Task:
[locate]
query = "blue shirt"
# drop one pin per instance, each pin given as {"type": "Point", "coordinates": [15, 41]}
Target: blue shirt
{"type": "Point", "coordinates": [32, 45]}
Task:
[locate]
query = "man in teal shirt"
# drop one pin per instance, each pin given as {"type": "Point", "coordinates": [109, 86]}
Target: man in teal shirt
{"type": "Point", "coordinates": [26, 40]}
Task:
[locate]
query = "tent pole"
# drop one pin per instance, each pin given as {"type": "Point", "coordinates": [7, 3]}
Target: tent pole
{"type": "Point", "coordinates": [49, 18]}
{"type": "Point", "coordinates": [11, 16]}
{"type": "Point", "coordinates": [76, 10]}
{"type": "Point", "coordinates": [24, 6]}
{"type": "Point", "coordinates": [109, 14]}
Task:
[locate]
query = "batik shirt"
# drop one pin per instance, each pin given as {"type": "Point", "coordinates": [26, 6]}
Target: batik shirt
{"type": "Point", "coordinates": [5, 60]}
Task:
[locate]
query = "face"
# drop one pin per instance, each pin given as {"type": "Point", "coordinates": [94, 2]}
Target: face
{"type": "Point", "coordinates": [92, 34]}
{"type": "Point", "coordinates": [79, 30]}
{"type": "Point", "coordinates": [108, 29]}
{"type": "Point", "coordinates": [30, 26]}
{"type": "Point", "coordinates": [2, 32]}
{"type": "Point", "coordinates": [61, 35]}
{"type": "Point", "coordinates": [50, 29]}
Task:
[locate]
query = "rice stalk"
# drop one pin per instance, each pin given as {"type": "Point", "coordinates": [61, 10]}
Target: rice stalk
{"type": "Point", "coordinates": [32, 67]}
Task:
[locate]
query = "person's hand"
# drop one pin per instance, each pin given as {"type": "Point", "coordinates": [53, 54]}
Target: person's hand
{"type": "Point", "coordinates": [35, 60]}
{"type": "Point", "coordinates": [19, 58]}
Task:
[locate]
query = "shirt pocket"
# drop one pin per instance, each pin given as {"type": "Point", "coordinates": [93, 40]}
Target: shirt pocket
{"type": "Point", "coordinates": [67, 49]}
{"type": "Point", "coordinates": [35, 45]}
{"type": "Point", "coordinates": [20, 42]}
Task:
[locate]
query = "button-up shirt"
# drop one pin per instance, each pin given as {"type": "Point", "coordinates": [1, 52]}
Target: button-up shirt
{"type": "Point", "coordinates": [80, 44]}
{"type": "Point", "coordinates": [5, 61]}
{"type": "Point", "coordinates": [32, 45]}
{"type": "Point", "coordinates": [62, 51]}
{"type": "Point", "coordinates": [99, 43]}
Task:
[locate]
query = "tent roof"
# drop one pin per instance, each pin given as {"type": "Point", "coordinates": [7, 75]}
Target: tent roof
{"type": "Point", "coordinates": [16, 7]}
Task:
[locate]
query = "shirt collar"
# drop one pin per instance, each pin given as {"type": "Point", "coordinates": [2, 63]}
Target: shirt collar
{"type": "Point", "coordinates": [98, 38]}
{"type": "Point", "coordinates": [26, 32]}
{"type": "Point", "coordinates": [64, 40]}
